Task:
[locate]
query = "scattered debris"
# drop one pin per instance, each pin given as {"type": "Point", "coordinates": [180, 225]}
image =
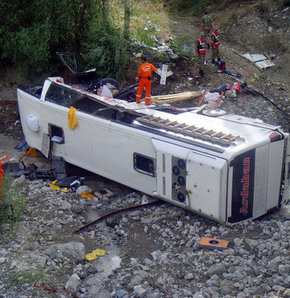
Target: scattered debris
{"type": "Point", "coordinates": [30, 171]}
{"type": "Point", "coordinates": [56, 187]}
{"type": "Point", "coordinates": [164, 72]}
{"type": "Point", "coordinates": [221, 88]}
{"type": "Point", "coordinates": [233, 74]}
{"type": "Point", "coordinates": [259, 60]}
{"type": "Point", "coordinates": [65, 184]}
{"type": "Point", "coordinates": [213, 243]}
{"type": "Point", "coordinates": [22, 146]}
{"type": "Point", "coordinates": [104, 193]}
{"type": "Point", "coordinates": [95, 254]}
{"type": "Point", "coordinates": [235, 88]}
{"type": "Point", "coordinates": [221, 66]}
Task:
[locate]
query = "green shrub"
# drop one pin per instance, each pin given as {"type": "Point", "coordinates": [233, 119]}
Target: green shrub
{"type": "Point", "coordinates": [146, 36]}
{"type": "Point", "coordinates": [198, 7]}
{"type": "Point", "coordinates": [106, 49]}
{"type": "Point", "coordinates": [262, 7]}
{"type": "Point", "coordinates": [12, 204]}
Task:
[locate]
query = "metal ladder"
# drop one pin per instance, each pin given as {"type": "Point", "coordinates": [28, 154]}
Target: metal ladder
{"type": "Point", "coordinates": [191, 130]}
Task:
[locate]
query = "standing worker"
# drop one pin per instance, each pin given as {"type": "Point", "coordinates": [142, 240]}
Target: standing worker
{"type": "Point", "coordinates": [215, 43]}
{"type": "Point", "coordinates": [207, 26]}
{"type": "Point", "coordinates": [200, 52]}
{"type": "Point", "coordinates": [144, 76]}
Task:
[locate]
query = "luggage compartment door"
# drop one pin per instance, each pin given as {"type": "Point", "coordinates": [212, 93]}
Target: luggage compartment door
{"type": "Point", "coordinates": [192, 180]}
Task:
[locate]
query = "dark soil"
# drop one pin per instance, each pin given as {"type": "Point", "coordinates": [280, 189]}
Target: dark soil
{"type": "Point", "coordinates": [9, 119]}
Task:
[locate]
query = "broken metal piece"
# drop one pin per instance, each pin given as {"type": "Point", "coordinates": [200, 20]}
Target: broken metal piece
{"type": "Point", "coordinates": [72, 293]}
{"type": "Point", "coordinates": [45, 288]}
{"type": "Point", "coordinates": [117, 212]}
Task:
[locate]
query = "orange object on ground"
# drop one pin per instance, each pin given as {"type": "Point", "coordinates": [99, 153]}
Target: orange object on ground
{"type": "Point", "coordinates": [87, 195]}
{"type": "Point", "coordinates": [31, 152]}
{"type": "Point", "coordinates": [1, 180]}
{"type": "Point", "coordinates": [145, 75]}
{"type": "Point", "coordinates": [213, 243]}
{"type": "Point", "coordinates": [6, 156]}
{"type": "Point", "coordinates": [201, 99]}
{"type": "Point", "coordinates": [45, 288]}
{"type": "Point", "coordinates": [219, 100]}
{"type": "Point", "coordinates": [1, 171]}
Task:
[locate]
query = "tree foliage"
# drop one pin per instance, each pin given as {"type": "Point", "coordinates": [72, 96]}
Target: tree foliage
{"type": "Point", "coordinates": [32, 31]}
{"type": "Point", "coordinates": [106, 48]}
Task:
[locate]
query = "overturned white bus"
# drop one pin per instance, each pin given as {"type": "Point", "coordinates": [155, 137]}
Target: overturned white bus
{"type": "Point", "coordinates": [228, 168]}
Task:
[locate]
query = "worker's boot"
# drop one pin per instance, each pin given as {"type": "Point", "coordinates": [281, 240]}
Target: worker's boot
{"type": "Point", "coordinates": [147, 101]}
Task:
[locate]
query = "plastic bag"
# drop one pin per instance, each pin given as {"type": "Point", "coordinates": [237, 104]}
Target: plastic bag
{"type": "Point", "coordinates": [211, 97]}
{"type": "Point", "coordinates": [106, 92]}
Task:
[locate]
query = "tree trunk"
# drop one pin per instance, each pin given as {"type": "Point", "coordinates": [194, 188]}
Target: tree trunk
{"type": "Point", "coordinates": [127, 19]}
{"type": "Point", "coordinates": [106, 9]}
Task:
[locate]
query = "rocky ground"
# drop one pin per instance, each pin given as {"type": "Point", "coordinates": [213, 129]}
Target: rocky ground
{"type": "Point", "coordinates": [151, 252]}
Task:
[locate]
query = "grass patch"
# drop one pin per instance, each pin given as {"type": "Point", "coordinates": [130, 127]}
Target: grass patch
{"type": "Point", "coordinates": [30, 276]}
{"type": "Point", "coordinates": [234, 18]}
{"type": "Point", "coordinates": [12, 204]}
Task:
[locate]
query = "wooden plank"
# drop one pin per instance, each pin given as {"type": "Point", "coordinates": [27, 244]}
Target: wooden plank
{"type": "Point", "coordinates": [169, 96]}
{"type": "Point", "coordinates": [159, 99]}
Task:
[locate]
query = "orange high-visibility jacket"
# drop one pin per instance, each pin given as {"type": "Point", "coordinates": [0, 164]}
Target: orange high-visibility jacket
{"type": "Point", "coordinates": [145, 70]}
{"type": "Point", "coordinates": [201, 48]}
{"type": "Point", "coordinates": [216, 40]}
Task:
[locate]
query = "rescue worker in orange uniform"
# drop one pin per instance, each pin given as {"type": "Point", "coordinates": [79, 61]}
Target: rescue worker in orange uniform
{"type": "Point", "coordinates": [144, 76]}
{"type": "Point", "coordinates": [215, 43]}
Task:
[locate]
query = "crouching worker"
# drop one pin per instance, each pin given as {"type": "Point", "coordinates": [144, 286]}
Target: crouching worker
{"type": "Point", "coordinates": [215, 43]}
{"type": "Point", "coordinates": [144, 79]}
{"type": "Point", "coordinates": [201, 52]}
